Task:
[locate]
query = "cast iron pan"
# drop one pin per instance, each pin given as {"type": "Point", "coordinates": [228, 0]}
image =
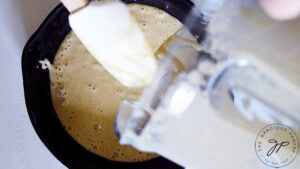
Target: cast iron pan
{"type": "Point", "coordinates": [43, 44]}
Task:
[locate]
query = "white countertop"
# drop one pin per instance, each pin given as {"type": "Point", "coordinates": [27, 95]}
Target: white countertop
{"type": "Point", "coordinates": [20, 147]}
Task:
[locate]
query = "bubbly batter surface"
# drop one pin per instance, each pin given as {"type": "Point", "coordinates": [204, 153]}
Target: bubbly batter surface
{"type": "Point", "coordinates": [86, 97]}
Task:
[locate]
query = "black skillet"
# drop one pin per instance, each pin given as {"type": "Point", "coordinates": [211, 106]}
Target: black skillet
{"type": "Point", "coordinates": [43, 44]}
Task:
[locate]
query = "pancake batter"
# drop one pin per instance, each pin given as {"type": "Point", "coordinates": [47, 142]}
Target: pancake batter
{"type": "Point", "coordinates": [86, 97]}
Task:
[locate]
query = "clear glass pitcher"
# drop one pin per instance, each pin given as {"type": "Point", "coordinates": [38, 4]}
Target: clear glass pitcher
{"type": "Point", "coordinates": [243, 77]}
